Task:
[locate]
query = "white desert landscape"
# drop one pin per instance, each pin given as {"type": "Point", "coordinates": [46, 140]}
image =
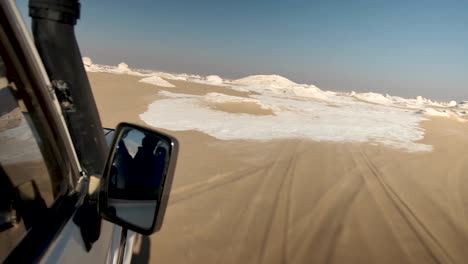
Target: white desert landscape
{"type": "Point", "coordinates": [271, 171]}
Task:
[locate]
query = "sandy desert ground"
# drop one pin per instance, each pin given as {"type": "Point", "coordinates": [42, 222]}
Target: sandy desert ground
{"type": "Point", "coordinates": [298, 200]}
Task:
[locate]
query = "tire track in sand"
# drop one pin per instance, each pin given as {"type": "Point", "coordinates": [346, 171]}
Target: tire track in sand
{"type": "Point", "coordinates": [186, 192]}
{"type": "Point", "coordinates": [430, 243]}
{"type": "Point", "coordinates": [316, 234]}
{"type": "Point", "coordinates": [264, 212]}
{"type": "Point", "coordinates": [286, 178]}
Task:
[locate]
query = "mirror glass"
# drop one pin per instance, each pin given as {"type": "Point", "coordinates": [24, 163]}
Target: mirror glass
{"type": "Point", "coordinates": [136, 176]}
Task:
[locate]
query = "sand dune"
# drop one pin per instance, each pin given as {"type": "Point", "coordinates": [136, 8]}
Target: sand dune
{"type": "Point", "coordinates": [299, 200]}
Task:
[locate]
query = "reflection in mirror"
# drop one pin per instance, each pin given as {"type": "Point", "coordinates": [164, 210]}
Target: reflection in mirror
{"type": "Point", "coordinates": [135, 177]}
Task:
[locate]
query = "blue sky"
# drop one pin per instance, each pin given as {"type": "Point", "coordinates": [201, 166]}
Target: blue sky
{"type": "Point", "coordinates": [405, 48]}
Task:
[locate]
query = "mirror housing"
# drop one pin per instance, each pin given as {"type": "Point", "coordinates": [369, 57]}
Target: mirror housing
{"type": "Point", "coordinates": [137, 178]}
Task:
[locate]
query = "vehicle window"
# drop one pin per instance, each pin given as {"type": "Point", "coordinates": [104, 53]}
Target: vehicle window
{"type": "Point", "coordinates": [25, 186]}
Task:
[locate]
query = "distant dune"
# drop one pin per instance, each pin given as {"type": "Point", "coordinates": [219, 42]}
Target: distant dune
{"type": "Point", "coordinates": [288, 110]}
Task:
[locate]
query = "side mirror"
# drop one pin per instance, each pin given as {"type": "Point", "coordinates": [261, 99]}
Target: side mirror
{"type": "Point", "coordinates": [137, 178]}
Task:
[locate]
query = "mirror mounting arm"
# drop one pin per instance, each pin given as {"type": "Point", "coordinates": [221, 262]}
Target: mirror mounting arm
{"type": "Point", "coordinates": [87, 217]}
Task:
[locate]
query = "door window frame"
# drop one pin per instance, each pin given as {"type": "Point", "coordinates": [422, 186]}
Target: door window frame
{"type": "Point", "coordinates": [24, 68]}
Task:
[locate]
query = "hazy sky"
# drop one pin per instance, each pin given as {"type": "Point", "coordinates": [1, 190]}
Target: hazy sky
{"type": "Point", "coordinates": [399, 47]}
